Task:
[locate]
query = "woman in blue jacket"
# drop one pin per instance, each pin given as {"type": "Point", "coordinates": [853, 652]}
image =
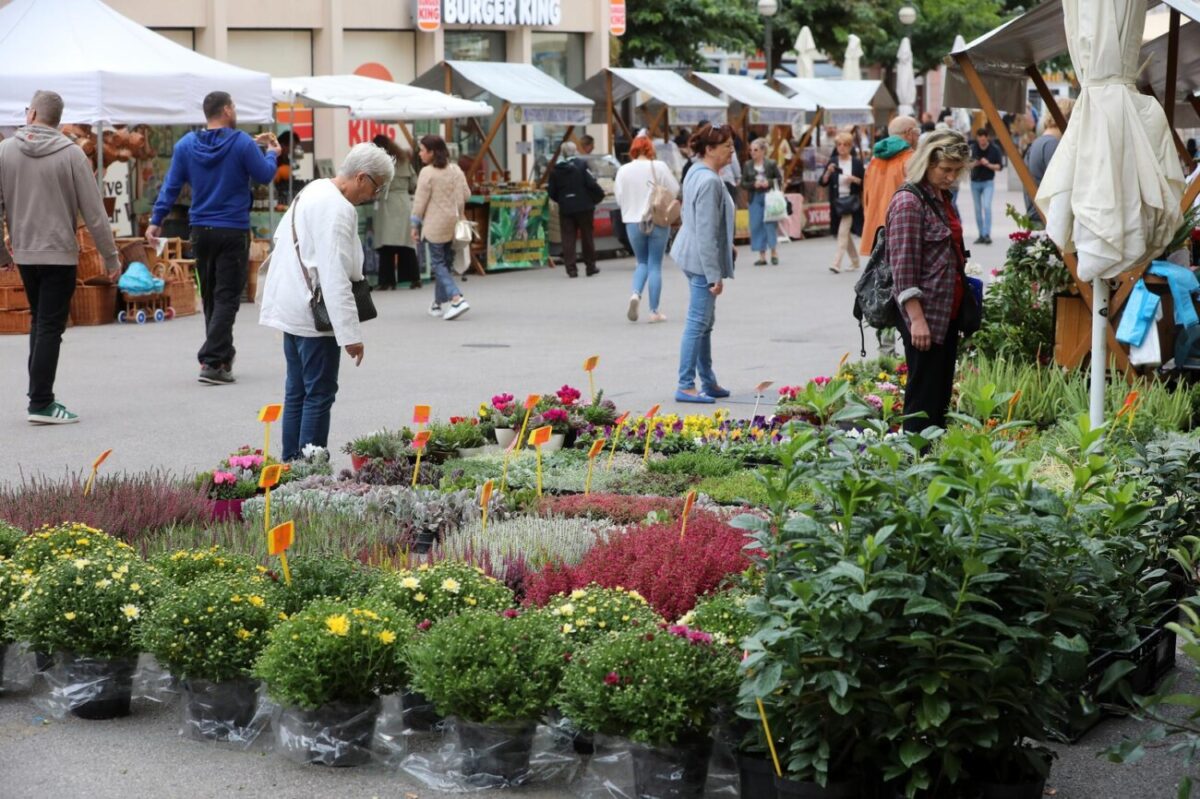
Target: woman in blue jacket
{"type": "Point", "coordinates": [704, 251]}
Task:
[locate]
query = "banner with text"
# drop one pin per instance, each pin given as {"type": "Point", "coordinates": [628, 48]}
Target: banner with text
{"type": "Point", "coordinates": [517, 231]}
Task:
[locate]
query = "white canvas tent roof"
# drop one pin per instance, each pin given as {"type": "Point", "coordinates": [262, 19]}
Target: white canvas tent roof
{"type": "Point", "coordinates": [767, 106]}
{"type": "Point", "coordinates": [844, 101]}
{"type": "Point", "coordinates": [369, 98]}
{"type": "Point", "coordinates": [110, 69]}
{"type": "Point", "coordinates": [686, 103]}
{"type": "Point", "coordinates": [534, 95]}
{"type": "Point", "coordinates": [1001, 56]}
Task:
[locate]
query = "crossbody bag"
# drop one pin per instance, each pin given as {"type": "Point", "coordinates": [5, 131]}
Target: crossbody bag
{"type": "Point", "coordinates": [360, 288]}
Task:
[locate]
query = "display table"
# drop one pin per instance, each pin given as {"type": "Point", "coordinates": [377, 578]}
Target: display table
{"type": "Point", "coordinates": [513, 229]}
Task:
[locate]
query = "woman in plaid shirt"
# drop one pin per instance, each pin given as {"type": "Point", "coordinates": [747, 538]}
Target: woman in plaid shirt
{"type": "Point", "coordinates": [927, 256]}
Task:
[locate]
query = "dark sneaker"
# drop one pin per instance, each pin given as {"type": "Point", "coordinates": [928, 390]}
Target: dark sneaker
{"type": "Point", "coordinates": [595, 270]}
{"type": "Point", "coordinates": [215, 376]}
{"type": "Point", "coordinates": [54, 413]}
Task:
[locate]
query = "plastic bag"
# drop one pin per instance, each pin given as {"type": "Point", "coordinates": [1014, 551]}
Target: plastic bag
{"type": "Point", "coordinates": [235, 712]}
{"type": "Point", "coordinates": [621, 769]}
{"type": "Point", "coordinates": [391, 734]}
{"type": "Point", "coordinates": [774, 206]}
{"type": "Point", "coordinates": [138, 280]}
{"type": "Point", "coordinates": [89, 688]}
{"type": "Point", "coordinates": [477, 757]}
{"type": "Point", "coordinates": [153, 683]}
{"type": "Point", "coordinates": [18, 668]}
{"type": "Point", "coordinates": [334, 734]}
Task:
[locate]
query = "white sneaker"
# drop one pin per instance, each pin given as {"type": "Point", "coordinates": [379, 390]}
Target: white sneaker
{"type": "Point", "coordinates": [435, 309]}
{"type": "Point", "coordinates": [457, 309]}
{"type": "Point", "coordinates": [632, 313]}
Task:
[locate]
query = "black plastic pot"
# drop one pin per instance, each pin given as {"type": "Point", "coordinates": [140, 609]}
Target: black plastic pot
{"type": "Point", "coordinates": [95, 688]}
{"type": "Point", "coordinates": [678, 771]}
{"type": "Point", "coordinates": [1024, 790]}
{"type": "Point", "coordinates": [494, 753]}
{"type": "Point", "coordinates": [756, 776]}
{"type": "Point", "coordinates": [423, 541]}
{"type": "Point", "coordinates": [219, 711]}
{"type": "Point", "coordinates": [419, 713]}
{"type": "Point", "coordinates": [335, 734]}
{"type": "Point", "coordinates": [792, 789]}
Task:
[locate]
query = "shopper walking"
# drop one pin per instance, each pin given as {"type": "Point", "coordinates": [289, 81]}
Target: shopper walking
{"type": "Point", "coordinates": [844, 177]}
{"type": "Point", "coordinates": [45, 183]}
{"type": "Point", "coordinates": [1037, 158]}
{"type": "Point", "coordinates": [317, 246]}
{"type": "Point", "coordinates": [988, 160]}
{"type": "Point", "coordinates": [440, 201]}
{"type": "Point", "coordinates": [634, 189]}
{"type": "Point", "coordinates": [577, 193]}
{"type": "Point", "coordinates": [704, 251]}
{"type": "Point", "coordinates": [218, 163]}
{"type": "Point", "coordinates": [927, 256]}
{"type": "Point", "coordinates": [393, 221]}
{"type": "Point", "coordinates": [759, 175]}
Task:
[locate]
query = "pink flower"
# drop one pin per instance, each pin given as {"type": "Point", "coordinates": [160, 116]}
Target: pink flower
{"type": "Point", "coordinates": [699, 637]}
{"type": "Point", "coordinates": [502, 402]}
{"type": "Point", "coordinates": [555, 416]}
{"type": "Point", "coordinates": [221, 478]}
{"type": "Point", "coordinates": [568, 395]}
{"type": "Point", "coordinates": [821, 381]}
{"type": "Point", "coordinates": [424, 625]}
{"type": "Point", "coordinates": [612, 678]}
{"type": "Point", "coordinates": [510, 613]}
{"type": "Point", "coordinates": [995, 273]}
{"type": "Point", "coordinates": [874, 401]}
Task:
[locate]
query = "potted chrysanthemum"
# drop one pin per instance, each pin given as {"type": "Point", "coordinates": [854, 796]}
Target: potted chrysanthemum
{"type": "Point", "coordinates": [13, 582]}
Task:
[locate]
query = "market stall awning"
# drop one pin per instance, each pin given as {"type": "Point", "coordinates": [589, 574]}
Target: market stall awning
{"type": "Point", "coordinates": [110, 69]}
{"type": "Point", "coordinates": [766, 106]}
{"type": "Point", "coordinates": [369, 98]}
{"type": "Point", "coordinates": [1001, 56]}
{"type": "Point", "coordinates": [535, 97]}
{"type": "Point", "coordinates": [686, 104]}
{"type": "Point", "coordinates": [845, 102]}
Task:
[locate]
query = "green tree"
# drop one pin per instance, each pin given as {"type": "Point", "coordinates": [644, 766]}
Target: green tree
{"type": "Point", "coordinates": [831, 21]}
{"type": "Point", "coordinates": [938, 22]}
{"type": "Point", "coordinates": [674, 31]}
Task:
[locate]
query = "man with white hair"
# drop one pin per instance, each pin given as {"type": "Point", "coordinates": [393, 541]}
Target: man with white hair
{"type": "Point", "coordinates": [45, 183]}
{"type": "Point", "coordinates": [577, 193]}
{"type": "Point", "coordinates": [317, 248]}
{"type": "Point", "coordinates": [218, 163]}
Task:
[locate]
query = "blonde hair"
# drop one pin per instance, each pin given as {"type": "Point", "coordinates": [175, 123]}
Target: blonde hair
{"type": "Point", "coordinates": [939, 146]}
{"type": "Point", "coordinates": [845, 137]}
{"type": "Point", "coordinates": [1065, 106]}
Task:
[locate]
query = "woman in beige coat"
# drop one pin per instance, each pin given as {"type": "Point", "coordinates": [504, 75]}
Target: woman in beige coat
{"type": "Point", "coordinates": [393, 226]}
{"type": "Point", "coordinates": [441, 200]}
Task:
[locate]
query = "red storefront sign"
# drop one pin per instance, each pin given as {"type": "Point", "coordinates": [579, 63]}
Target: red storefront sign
{"type": "Point", "coordinates": [429, 15]}
{"type": "Point", "coordinates": [616, 17]}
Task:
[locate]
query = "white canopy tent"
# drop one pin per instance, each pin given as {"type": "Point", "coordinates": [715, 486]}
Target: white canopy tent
{"type": "Point", "coordinates": [369, 98]}
{"type": "Point", "coordinates": [111, 70]}
{"type": "Point", "coordinates": [844, 102]}
{"type": "Point", "coordinates": [665, 97]}
{"type": "Point", "coordinates": [752, 100]}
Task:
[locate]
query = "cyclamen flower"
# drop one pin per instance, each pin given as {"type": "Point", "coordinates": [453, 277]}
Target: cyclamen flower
{"type": "Point", "coordinates": [502, 402]}
{"type": "Point", "coordinates": [221, 478]}
{"type": "Point", "coordinates": [568, 395]}
{"type": "Point", "coordinates": [554, 416]}
{"type": "Point", "coordinates": [821, 381]}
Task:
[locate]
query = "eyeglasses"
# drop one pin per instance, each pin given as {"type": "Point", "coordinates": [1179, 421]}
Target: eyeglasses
{"type": "Point", "coordinates": [378, 188]}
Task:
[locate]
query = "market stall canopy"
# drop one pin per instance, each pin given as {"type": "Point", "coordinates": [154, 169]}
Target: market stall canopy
{"type": "Point", "coordinates": [766, 106]}
{"type": "Point", "coordinates": [686, 104]}
{"type": "Point", "coordinates": [846, 102]}
{"type": "Point", "coordinates": [110, 69]}
{"type": "Point", "coordinates": [535, 97]}
{"type": "Point", "coordinates": [370, 98]}
{"type": "Point", "coordinates": [1001, 56]}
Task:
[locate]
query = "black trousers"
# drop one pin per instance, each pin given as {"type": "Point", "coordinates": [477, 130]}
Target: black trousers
{"type": "Point", "coordinates": [398, 265]}
{"type": "Point", "coordinates": [49, 289]}
{"type": "Point", "coordinates": [930, 379]}
{"type": "Point", "coordinates": [221, 256]}
{"type": "Point", "coordinates": [574, 226]}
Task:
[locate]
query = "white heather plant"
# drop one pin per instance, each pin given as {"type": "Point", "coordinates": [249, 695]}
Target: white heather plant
{"type": "Point", "coordinates": [538, 540]}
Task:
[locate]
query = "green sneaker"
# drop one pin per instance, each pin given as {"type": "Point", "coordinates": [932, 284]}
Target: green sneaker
{"type": "Point", "coordinates": [54, 413]}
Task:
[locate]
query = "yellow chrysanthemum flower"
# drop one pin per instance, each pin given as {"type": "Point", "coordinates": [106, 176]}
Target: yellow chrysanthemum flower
{"type": "Point", "coordinates": [387, 637]}
{"type": "Point", "coordinates": [337, 624]}
{"type": "Point", "coordinates": [243, 633]}
{"type": "Point", "coordinates": [451, 585]}
{"type": "Point", "coordinates": [411, 583]}
{"type": "Point", "coordinates": [255, 600]}
{"type": "Point", "coordinates": [69, 615]}
{"type": "Point", "coordinates": [131, 611]}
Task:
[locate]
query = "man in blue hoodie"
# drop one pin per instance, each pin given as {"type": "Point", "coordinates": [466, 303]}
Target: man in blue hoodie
{"type": "Point", "coordinates": [219, 164]}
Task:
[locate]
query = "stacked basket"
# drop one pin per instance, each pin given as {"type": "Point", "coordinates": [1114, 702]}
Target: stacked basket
{"type": "Point", "coordinates": [14, 305]}
{"type": "Point", "coordinates": [95, 298]}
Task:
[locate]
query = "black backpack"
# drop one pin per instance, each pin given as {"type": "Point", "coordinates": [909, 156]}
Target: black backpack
{"type": "Point", "coordinates": [874, 300]}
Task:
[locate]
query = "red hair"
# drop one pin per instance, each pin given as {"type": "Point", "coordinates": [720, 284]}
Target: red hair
{"type": "Point", "coordinates": [641, 146]}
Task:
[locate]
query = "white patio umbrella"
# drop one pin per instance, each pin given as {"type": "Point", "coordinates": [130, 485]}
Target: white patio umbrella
{"type": "Point", "coordinates": [961, 121]}
{"type": "Point", "coordinates": [806, 53]}
{"type": "Point", "coordinates": [906, 81]}
{"type": "Point", "coordinates": [1113, 189]}
{"type": "Point", "coordinates": [851, 70]}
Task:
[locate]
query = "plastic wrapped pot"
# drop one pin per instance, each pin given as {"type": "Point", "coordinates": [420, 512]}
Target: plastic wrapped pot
{"type": "Point", "coordinates": [334, 734]}
{"type": "Point", "coordinates": [677, 771]}
{"type": "Point", "coordinates": [793, 789]}
{"type": "Point", "coordinates": [495, 754]}
{"type": "Point", "coordinates": [419, 712]}
{"type": "Point", "coordinates": [222, 711]}
{"type": "Point", "coordinates": [756, 775]}
{"type": "Point", "coordinates": [89, 688]}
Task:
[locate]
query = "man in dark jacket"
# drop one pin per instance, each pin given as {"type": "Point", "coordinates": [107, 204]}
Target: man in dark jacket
{"type": "Point", "coordinates": [218, 163]}
{"type": "Point", "coordinates": [576, 192]}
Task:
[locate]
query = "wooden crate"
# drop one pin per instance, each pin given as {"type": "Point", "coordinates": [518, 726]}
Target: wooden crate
{"type": "Point", "coordinates": [1072, 325]}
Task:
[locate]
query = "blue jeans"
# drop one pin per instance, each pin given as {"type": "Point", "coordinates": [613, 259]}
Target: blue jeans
{"type": "Point", "coordinates": [649, 253]}
{"type": "Point", "coordinates": [311, 388]}
{"type": "Point", "coordinates": [981, 193]}
{"type": "Point", "coordinates": [441, 259]}
{"type": "Point", "coordinates": [695, 351]}
{"type": "Point", "coordinates": [763, 235]}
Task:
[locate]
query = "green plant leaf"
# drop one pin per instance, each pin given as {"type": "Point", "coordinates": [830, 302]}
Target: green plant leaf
{"type": "Point", "coordinates": [913, 752]}
{"type": "Point", "coordinates": [922, 604]}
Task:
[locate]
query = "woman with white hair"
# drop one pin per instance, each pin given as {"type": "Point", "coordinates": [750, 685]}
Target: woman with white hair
{"type": "Point", "coordinates": [317, 247]}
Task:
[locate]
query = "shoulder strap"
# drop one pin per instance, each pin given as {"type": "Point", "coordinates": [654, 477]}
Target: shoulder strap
{"type": "Point", "coordinates": [917, 190]}
{"type": "Point", "coordinates": [296, 245]}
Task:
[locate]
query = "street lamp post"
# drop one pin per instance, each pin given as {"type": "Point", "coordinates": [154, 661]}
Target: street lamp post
{"type": "Point", "coordinates": [907, 16]}
{"type": "Point", "coordinates": [767, 9]}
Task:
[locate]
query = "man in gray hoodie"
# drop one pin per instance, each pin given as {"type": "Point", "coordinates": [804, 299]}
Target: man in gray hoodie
{"type": "Point", "coordinates": [45, 183]}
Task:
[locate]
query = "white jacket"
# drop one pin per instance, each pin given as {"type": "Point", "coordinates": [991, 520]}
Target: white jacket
{"type": "Point", "coordinates": [632, 187]}
{"type": "Point", "coordinates": [327, 230]}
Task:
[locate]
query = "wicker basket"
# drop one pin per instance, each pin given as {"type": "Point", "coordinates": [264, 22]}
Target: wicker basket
{"type": "Point", "coordinates": [180, 287]}
{"type": "Point", "coordinates": [13, 298]}
{"type": "Point", "coordinates": [90, 267]}
{"type": "Point", "coordinates": [135, 251]}
{"type": "Point", "coordinates": [13, 322]}
{"type": "Point", "coordinates": [94, 305]}
{"type": "Point", "coordinates": [10, 275]}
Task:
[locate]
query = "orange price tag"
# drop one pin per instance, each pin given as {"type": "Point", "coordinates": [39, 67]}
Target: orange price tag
{"type": "Point", "coordinates": [597, 447]}
{"type": "Point", "coordinates": [650, 414]}
{"type": "Point", "coordinates": [270, 413]}
{"type": "Point", "coordinates": [280, 538]}
{"type": "Point", "coordinates": [420, 440]}
{"type": "Point", "coordinates": [620, 420]}
{"type": "Point", "coordinates": [421, 414]}
{"type": "Point", "coordinates": [763, 386]}
{"type": "Point", "coordinates": [688, 502]}
{"type": "Point", "coordinates": [540, 436]}
{"type": "Point", "coordinates": [590, 364]}
{"type": "Point", "coordinates": [487, 493]}
{"type": "Point", "coordinates": [532, 400]}
{"type": "Point", "coordinates": [270, 476]}
{"type": "Point", "coordinates": [103, 457]}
